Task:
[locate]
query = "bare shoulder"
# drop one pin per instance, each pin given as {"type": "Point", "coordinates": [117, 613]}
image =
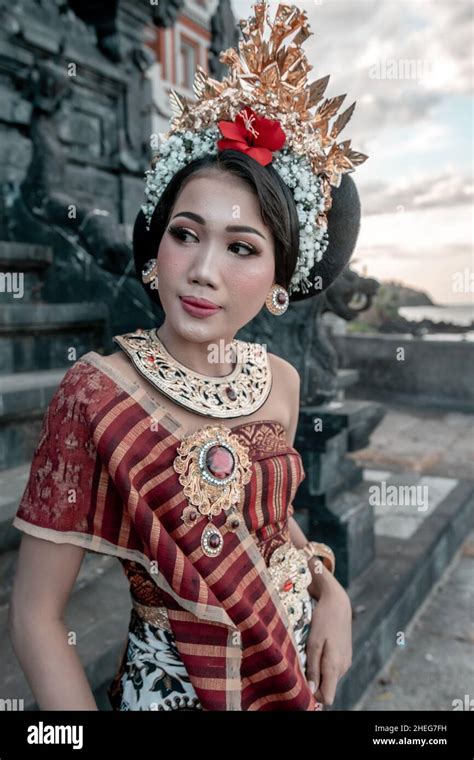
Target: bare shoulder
{"type": "Point", "coordinates": [287, 375]}
{"type": "Point", "coordinates": [287, 392]}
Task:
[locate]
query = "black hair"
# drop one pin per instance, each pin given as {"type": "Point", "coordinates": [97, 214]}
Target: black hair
{"type": "Point", "coordinates": [343, 227]}
{"type": "Point", "coordinates": [277, 208]}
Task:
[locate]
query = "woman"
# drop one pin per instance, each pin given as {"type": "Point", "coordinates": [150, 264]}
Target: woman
{"type": "Point", "coordinates": [233, 608]}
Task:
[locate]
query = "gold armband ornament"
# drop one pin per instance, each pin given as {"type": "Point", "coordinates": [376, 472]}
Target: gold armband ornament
{"type": "Point", "coordinates": [322, 552]}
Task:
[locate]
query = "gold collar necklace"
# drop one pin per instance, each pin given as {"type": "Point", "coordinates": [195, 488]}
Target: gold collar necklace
{"type": "Point", "coordinates": [238, 394]}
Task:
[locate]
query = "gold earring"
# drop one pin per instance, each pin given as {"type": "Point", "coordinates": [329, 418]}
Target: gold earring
{"type": "Point", "coordinates": [149, 275]}
{"type": "Point", "coordinates": [277, 300]}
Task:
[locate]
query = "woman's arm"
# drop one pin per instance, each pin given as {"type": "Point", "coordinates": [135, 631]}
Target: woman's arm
{"type": "Point", "coordinates": [329, 645]}
{"type": "Point", "coordinates": [322, 578]}
{"type": "Point", "coordinates": [45, 575]}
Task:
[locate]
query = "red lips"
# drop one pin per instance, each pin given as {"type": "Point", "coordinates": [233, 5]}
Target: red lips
{"type": "Point", "coordinates": [202, 303]}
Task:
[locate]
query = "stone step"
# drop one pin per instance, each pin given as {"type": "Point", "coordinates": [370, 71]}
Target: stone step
{"type": "Point", "coordinates": [320, 423]}
{"type": "Point", "coordinates": [388, 593]}
{"type": "Point", "coordinates": [328, 469]}
{"type": "Point", "coordinates": [23, 401]}
{"type": "Point", "coordinates": [98, 613]}
{"type": "Point", "coordinates": [333, 479]}
{"type": "Point", "coordinates": [12, 485]}
{"type": "Point", "coordinates": [345, 523]}
{"type": "Point", "coordinates": [43, 336]}
{"type": "Point", "coordinates": [22, 269]}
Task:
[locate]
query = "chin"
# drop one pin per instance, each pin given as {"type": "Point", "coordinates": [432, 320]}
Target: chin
{"type": "Point", "coordinates": [194, 330]}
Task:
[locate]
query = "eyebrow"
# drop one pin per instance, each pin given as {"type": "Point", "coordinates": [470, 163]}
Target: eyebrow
{"type": "Point", "coordinates": [231, 228]}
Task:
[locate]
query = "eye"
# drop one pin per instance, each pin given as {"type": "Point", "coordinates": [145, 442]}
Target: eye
{"type": "Point", "coordinates": [183, 234]}
{"type": "Point", "coordinates": [251, 251]}
{"type": "Point", "coordinates": [180, 233]}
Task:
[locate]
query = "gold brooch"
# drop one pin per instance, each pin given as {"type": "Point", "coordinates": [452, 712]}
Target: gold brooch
{"type": "Point", "coordinates": [213, 468]}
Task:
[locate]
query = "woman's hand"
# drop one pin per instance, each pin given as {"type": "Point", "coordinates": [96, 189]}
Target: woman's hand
{"type": "Point", "coordinates": [329, 645]}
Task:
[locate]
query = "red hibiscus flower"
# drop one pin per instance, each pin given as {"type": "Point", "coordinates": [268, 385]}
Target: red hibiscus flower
{"type": "Point", "coordinates": [252, 134]}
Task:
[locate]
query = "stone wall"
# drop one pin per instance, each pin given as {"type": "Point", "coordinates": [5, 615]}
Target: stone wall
{"type": "Point", "coordinates": [74, 146]}
{"type": "Point", "coordinates": [403, 368]}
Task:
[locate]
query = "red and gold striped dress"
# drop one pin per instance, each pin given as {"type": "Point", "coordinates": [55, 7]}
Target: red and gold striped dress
{"type": "Point", "coordinates": [224, 642]}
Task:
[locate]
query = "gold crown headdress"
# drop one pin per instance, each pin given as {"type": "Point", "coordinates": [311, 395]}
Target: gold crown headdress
{"type": "Point", "coordinates": [264, 108]}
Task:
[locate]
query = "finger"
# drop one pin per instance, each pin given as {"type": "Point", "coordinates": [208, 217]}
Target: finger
{"type": "Point", "coordinates": [329, 679]}
{"type": "Point", "coordinates": [313, 665]}
{"type": "Point", "coordinates": [313, 680]}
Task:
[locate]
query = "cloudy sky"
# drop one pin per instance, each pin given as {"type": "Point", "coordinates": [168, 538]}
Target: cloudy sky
{"type": "Point", "coordinates": [407, 63]}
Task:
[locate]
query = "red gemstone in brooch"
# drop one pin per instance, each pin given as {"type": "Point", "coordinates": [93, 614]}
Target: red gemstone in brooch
{"type": "Point", "coordinates": [213, 467]}
{"type": "Point", "coordinates": [220, 462]}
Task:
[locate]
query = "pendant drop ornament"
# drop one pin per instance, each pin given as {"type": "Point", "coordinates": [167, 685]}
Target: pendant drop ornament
{"type": "Point", "coordinates": [211, 540]}
{"type": "Point", "coordinates": [213, 467]}
{"type": "Point", "coordinates": [190, 516]}
{"type": "Point", "coordinates": [233, 522]}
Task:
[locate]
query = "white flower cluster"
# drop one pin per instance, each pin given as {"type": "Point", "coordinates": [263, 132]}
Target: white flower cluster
{"type": "Point", "coordinates": [174, 153]}
{"type": "Point", "coordinates": [296, 172]}
{"type": "Point", "coordinates": [183, 147]}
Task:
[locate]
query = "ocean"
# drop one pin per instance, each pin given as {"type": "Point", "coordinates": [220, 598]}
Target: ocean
{"type": "Point", "coordinates": [458, 314]}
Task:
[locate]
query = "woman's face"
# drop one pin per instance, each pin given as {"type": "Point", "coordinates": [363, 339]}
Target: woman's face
{"type": "Point", "coordinates": [217, 248]}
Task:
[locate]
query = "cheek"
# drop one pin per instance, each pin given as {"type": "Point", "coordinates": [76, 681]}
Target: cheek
{"type": "Point", "coordinates": [170, 263]}
{"type": "Point", "coordinates": [250, 281]}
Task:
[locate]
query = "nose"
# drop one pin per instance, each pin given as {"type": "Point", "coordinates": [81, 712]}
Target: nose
{"type": "Point", "coordinates": [204, 268]}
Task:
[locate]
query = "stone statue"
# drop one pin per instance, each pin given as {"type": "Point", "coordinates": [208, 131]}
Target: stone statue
{"type": "Point", "coordinates": [351, 294]}
{"type": "Point", "coordinates": [44, 189]}
{"type": "Point", "coordinates": [103, 17]}
{"type": "Point", "coordinates": [302, 336]}
{"type": "Point", "coordinates": [224, 34]}
{"type": "Point", "coordinates": [165, 12]}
